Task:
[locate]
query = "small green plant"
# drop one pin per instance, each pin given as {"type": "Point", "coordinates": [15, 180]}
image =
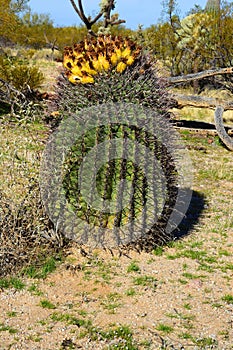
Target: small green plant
{"type": "Point", "coordinates": [223, 252]}
{"type": "Point", "coordinates": [227, 266]}
{"type": "Point", "coordinates": [58, 317]}
{"type": "Point", "coordinates": [164, 328]}
{"type": "Point", "coordinates": [34, 290]}
{"type": "Point", "coordinates": [228, 298]}
{"type": "Point", "coordinates": [187, 306]}
{"type": "Point", "coordinates": [182, 281]}
{"type": "Point", "coordinates": [4, 328]}
{"type": "Point", "coordinates": [205, 342]}
{"type": "Point", "coordinates": [46, 304]}
{"type": "Point", "coordinates": [186, 335]}
{"type": "Point", "coordinates": [123, 335]}
{"type": "Point", "coordinates": [17, 283]}
{"type": "Point", "coordinates": [146, 343]}
{"type": "Point", "coordinates": [70, 319]}
{"type": "Point", "coordinates": [4, 283]}
{"type": "Point", "coordinates": [12, 314]}
{"type": "Point", "coordinates": [46, 267]}
{"type": "Point", "coordinates": [217, 305]}
{"type": "Point", "coordinates": [158, 251]}
{"type": "Point", "coordinates": [36, 338]}
{"type": "Point", "coordinates": [133, 267]}
{"type": "Point", "coordinates": [224, 333]}
{"type": "Point", "coordinates": [130, 292]}
{"type": "Point", "coordinates": [111, 303]}
{"type": "Point", "coordinates": [11, 282]}
{"type": "Point", "coordinates": [82, 313]}
{"type": "Point", "coordinates": [145, 281]}
{"type": "Point", "coordinates": [193, 276]}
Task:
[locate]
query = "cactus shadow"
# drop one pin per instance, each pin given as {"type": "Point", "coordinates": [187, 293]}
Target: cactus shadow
{"type": "Point", "coordinates": [192, 218]}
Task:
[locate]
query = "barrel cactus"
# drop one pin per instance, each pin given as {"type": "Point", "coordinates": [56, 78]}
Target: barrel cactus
{"type": "Point", "coordinates": [108, 76]}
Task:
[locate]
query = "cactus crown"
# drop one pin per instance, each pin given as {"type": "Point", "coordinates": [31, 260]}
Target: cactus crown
{"type": "Point", "coordinates": [98, 55]}
{"type": "Point", "coordinates": [107, 69]}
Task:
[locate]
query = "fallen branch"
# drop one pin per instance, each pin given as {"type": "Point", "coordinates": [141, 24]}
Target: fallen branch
{"type": "Point", "coordinates": [201, 102]}
{"type": "Point", "coordinates": [218, 118]}
{"type": "Point", "coordinates": [200, 75]}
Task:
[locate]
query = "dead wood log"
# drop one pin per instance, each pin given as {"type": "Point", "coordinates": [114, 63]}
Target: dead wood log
{"type": "Point", "coordinates": [200, 75]}
{"type": "Point", "coordinates": [218, 118]}
{"type": "Point", "coordinates": [201, 102]}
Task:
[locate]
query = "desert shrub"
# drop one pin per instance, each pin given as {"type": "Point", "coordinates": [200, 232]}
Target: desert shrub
{"type": "Point", "coordinates": [19, 82]}
{"type": "Point", "coordinates": [20, 74]}
{"type": "Point", "coordinates": [26, 233]}
{"type": "Point", "coordinates": [26, 53]}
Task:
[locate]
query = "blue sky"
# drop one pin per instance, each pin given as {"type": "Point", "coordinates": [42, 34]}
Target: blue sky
{"type": "Point", "coordinates": [135, 12]}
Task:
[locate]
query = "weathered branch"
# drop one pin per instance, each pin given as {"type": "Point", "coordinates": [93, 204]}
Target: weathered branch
{"type": "Point", "coordinates": [80, 11]}
{"type": "Point", "coordinates": [201, 102]}
{"type": "Point", "coordinates": [107, 12]}
{"type": "Point", "coordinates": [51, 44]}
{"type": "Point", "coordinates": [218, 118]}
{"type": "Point", "coordinates": [200, 75]}
{"type": "Point", "coordinates": [120, 21]}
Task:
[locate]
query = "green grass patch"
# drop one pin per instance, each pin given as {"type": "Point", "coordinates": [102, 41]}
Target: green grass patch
{"type": "Point", "coordinates": [130, 292]}
{"type": "Point", "coordinates": [11, 313]}
{"type": "Point", "coordinates": [111, 302]}
{"type": "Point", "coordinates": [158, 251]}
{"type": "Point", "coordinates": [46, 267]}
{"type": "Point", "coordinates": [46, 304]}
{"type": "Point", "coordinates": [228, 298]}
{"type": "Point", "coordinates": [11, 282]}
{"type": "Point", "coordinates": [35, 290]}
{"type": "Point", "coordinates": [7, 328]}
{"type": "Point", "coordinates": [145, 281]}
{"type": "Point", "coordinates": [164, 328]}
{"type": "Point", "coordinates": [133, 267]}
{"type": "Point", "coordinates": [203, 343]}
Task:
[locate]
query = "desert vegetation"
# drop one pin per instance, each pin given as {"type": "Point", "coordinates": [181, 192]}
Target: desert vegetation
{"type": "Point", "coordinates": [163, 290]}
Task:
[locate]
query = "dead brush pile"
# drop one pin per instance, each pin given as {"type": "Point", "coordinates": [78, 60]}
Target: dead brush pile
{"type": "Point", "coordinates": [26, 233]}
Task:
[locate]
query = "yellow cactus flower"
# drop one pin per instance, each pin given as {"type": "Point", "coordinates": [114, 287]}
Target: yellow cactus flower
{"type": "Point", "coordinates": [76, 70]}
{"type": "Point", "coordinates": [126, 52]}
{"type": "Point", "coordinates": [87, 79]}
{"type": "Point", "coordinates": [130, 60]}
{"type": "Point", "coordinates": [114, 59]}
{"type": "Point", "coordinates": [118, 53]}
{"type": "Point", "coordinates": [68, 63]}
{"type": "Point", "coordinates": [97, 65]}
{"type": "Point", "coordinates": [104, 62]}
{"type": "Point", "coordinates": [84, 79]}
{"type": "Point", "coordinates": [74, 79]}
{"type": "Point", "coordinates": [121, 67]}
{"type": "Point", "coordinates": [88, 69]}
